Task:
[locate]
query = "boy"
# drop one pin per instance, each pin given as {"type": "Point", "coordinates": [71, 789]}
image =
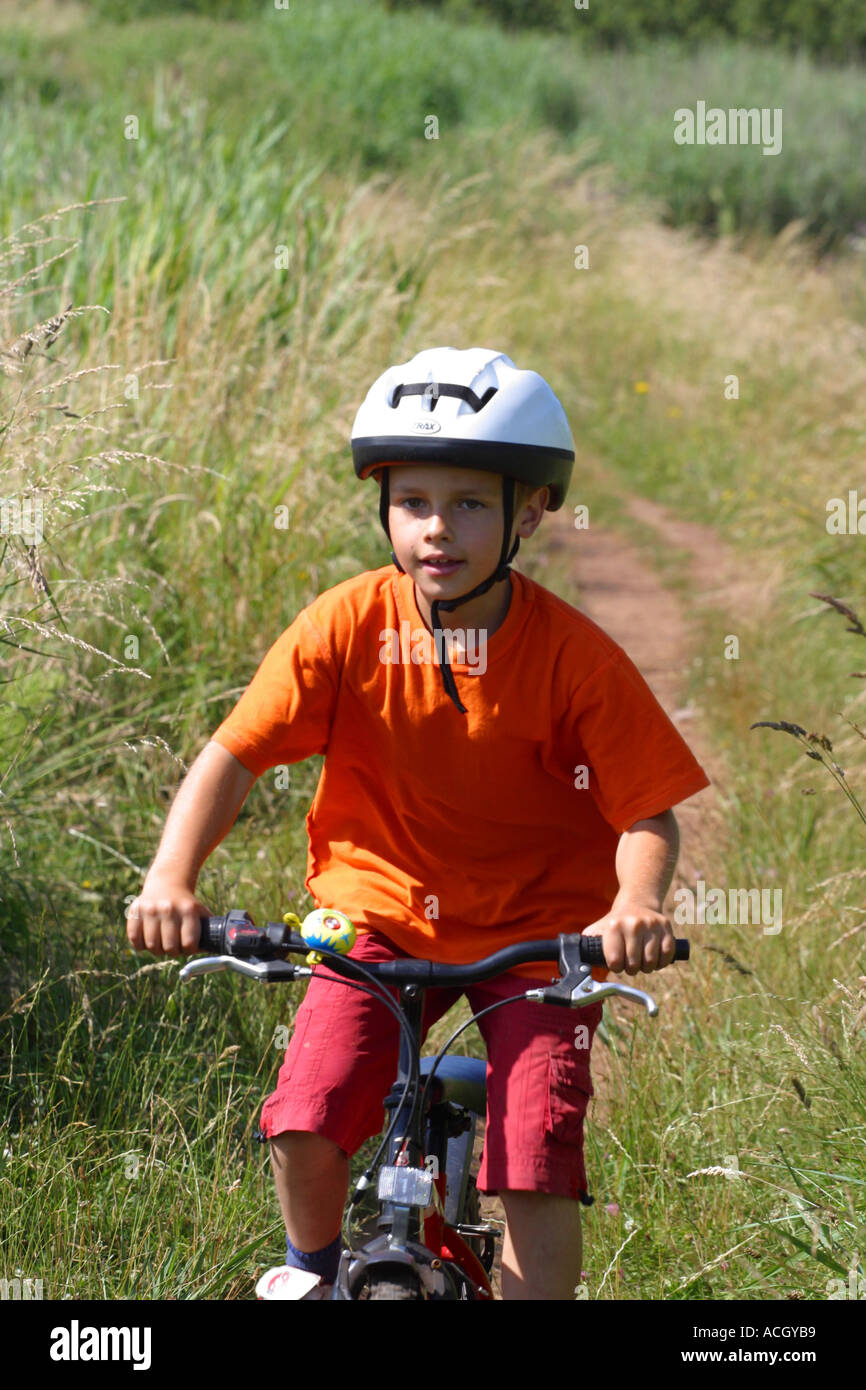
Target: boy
{"type": "Point", "coordinates": [508, 779]}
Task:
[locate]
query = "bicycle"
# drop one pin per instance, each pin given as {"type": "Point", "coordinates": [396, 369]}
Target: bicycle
{"type": "Point", "coordinates": [432, 1243]}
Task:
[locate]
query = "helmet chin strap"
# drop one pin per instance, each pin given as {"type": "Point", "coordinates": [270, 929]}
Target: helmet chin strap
{"type": "Point", "coordinates": [502, 571]}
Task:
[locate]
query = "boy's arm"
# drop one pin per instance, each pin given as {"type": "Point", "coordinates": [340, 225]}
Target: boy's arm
{"type": "Point", "coordinates": [637, 935]}
{"type": "Point", "coordinates": [165, 916]}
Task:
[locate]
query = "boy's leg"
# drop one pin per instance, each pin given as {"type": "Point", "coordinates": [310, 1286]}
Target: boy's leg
{"type": "Point", "coordinates": [538, 1088]}
{"type": "Point", "coordinates": [340, 1063]}
{"type": "Point", "coordinates": [543, 1247]}
{"type": "Point", "coordinates": [312, 1180]}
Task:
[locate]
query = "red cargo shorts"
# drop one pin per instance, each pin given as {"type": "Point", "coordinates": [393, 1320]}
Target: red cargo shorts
{"type": "Point", "coordinates": [342, 1061]}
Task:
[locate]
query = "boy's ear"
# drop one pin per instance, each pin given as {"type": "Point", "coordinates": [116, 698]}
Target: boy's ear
{"type": "Point", "coordinates": [540, 497]}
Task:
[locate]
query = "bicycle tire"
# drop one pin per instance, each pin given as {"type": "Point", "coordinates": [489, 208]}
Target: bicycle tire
{"type": "Point", "coordinates": [394, 1285]}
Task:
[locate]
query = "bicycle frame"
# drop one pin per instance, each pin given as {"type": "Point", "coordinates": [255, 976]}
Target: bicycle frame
{"type": "Point", "coordinates": [441, 1252]}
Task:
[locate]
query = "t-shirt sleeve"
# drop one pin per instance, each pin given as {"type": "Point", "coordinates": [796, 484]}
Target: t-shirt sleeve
{"type": "Point", "coordinates": [638, 763]}
{"type": "Point", "coordinates": [286, 711]}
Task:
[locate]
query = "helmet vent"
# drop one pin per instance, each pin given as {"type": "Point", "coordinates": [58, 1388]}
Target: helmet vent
{"type": "Point", "coordinates": [433, 390]}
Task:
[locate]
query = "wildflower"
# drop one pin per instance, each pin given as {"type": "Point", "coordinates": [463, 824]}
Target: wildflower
{"type": "Point", "coordinates": [641, 387]}
{"type": "Point", "coordinates": [845, 610]}
{"type": "Point", "coordinates": [821, 739]}
{"type": "Point", "coordinates": [612, 1208]}
{"type": "Point", "coordinates": [786, 728]}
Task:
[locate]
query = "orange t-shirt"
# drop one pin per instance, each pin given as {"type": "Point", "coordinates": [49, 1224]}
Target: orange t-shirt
{"type": "Point", "coordinates": [457, 834]}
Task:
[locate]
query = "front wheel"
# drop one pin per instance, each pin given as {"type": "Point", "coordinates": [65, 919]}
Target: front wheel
{"type": "Point", "coordinates": [394, 1284]}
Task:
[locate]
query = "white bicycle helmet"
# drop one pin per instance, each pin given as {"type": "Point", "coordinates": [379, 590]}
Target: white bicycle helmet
{"type": "Point", "coordinates": [476, 410]}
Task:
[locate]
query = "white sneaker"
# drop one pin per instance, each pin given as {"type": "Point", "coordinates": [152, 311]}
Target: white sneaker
{"type": "Point", "coordinates": [287, 1281]}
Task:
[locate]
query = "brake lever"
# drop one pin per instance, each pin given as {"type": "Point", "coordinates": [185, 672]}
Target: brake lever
{"type": "Point", "coordinates": [577, 987]}
{"type": "Point", "coordinates": [271, 971]}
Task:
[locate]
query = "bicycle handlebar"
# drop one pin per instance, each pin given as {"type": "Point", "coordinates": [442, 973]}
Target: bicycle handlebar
{"type": "Point", "coordinates": [236, 936]}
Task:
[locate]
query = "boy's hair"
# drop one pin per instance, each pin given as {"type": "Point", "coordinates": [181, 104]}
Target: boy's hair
{"type": "Point", "coordinates": [522, 494]}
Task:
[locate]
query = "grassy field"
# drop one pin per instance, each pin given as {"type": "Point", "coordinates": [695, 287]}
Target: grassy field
{"type": "Point", "coordinates": [371, 81]}
{"type": "Point", "coordinates": [266, 263]}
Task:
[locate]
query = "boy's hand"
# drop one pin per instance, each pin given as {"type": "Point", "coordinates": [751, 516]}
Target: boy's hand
{"type": "Point", "coordinates": [164, 918]}
{"type": "Point", "coordinates": [636, 938]}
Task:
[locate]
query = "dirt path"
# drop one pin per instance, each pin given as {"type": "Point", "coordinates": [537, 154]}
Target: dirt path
{"type": "Point", "coordinates": [612, 582]}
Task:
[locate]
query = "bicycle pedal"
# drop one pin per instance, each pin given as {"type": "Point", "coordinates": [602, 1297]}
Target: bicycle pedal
{"type": "Point", "coordinates": [465, 1230]}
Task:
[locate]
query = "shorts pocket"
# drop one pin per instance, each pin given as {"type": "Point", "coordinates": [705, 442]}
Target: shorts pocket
{"type": "Point", "coordinates": [568, 1094]}
{"type": "Point", "coordinates": [293, 1053]}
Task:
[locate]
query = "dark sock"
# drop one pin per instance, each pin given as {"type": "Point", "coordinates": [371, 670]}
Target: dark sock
{"type": "Point", "coordinates": [324, 1261]}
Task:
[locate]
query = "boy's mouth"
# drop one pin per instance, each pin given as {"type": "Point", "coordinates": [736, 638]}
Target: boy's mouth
{"type": "Point", "coordinates": [435, 564]}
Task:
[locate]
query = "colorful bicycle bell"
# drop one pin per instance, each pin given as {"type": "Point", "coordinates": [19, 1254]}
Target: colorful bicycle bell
{"type": "Point", "coordinates": [325, 929]}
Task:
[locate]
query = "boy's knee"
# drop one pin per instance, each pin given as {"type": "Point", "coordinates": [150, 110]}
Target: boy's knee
{"type": "Point", "coordinates": [550, 1206]}
{"type": "Point", "coordinates": [302, 1146]}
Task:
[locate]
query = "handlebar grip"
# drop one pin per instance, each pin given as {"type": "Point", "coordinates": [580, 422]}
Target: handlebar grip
{"type": "Point", "coordinates": [212, 936]}
{"type": "Point", "coordinates": [236, 934]}
{"type": "Point", "coordinates": [592, 949]}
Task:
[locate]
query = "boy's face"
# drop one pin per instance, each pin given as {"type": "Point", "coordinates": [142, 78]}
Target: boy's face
{"type": "Point", "coordinates": [437, 511]}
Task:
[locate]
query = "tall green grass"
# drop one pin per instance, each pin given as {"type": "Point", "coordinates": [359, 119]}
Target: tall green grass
{"type": "Point", "coordinates": [362, 85]}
